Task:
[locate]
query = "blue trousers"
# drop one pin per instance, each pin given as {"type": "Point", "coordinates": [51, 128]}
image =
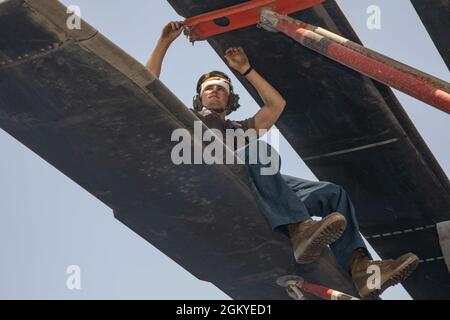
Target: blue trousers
{"type": "Point", "coordinates": [285, 200]}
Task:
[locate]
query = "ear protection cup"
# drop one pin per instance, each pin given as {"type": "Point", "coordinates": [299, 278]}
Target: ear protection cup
{"type": "Point", "coordinates": [233, 103]}
{"type": "Point", "coordinates": [197, 103]}
{"type": "Point", "coordinates": [233, 99]}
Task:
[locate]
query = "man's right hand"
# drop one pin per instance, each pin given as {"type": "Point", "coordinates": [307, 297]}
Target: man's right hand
{"type": "Point", "coordinates": [171, 31]}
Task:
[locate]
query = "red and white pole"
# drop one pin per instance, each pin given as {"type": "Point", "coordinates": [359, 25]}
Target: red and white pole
{"type": "Point", "coordinates": [417, 84]}
{"type": "Point", "coordinates": [295, 284]}
{"type": "Point", "coordinates": [325, 293]}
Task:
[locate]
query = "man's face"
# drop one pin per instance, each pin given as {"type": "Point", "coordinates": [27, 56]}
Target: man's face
{"type": "Point", "coordinates": [215, 97]}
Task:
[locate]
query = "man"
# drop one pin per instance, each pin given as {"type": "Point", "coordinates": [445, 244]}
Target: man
{"type": "Point", "coordinates": [288, 202]}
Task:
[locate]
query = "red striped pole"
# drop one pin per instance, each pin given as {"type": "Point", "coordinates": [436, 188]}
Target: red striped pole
{"type": "Point", "coordinates": [325, 293]}
{"type": "Point", "coordinates": [383, 70]}
{"type": "Point", "coordinates": [293, 284]}
{"type": "Point", "coordinates": [438, 83]}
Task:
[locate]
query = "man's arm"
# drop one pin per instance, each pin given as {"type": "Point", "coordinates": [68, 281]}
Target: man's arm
{"type": "Point", "coordinates": [170, 32]}
{"type": "Point", "coordinates": [274, 103]}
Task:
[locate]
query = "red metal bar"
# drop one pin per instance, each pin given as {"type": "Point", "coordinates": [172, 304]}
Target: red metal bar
{"type": "Point", "coordinates": [239, 16]}
{"type": "Point", "coordinates": [325, 293]}
{"type": "Point", "coordinates": [420, 88]}
{"type": "Point", "coordinates": [295, 284]}
{"type": "Point", "coordinates": [438, 83]}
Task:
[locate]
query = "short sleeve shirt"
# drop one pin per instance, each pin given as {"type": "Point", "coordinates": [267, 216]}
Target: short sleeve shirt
{"type": "Point", "coordinates": [213, 121]}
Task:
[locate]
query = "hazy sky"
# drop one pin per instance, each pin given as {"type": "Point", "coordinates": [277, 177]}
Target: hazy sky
{"type": "Point", "coordinates": [49, 223]}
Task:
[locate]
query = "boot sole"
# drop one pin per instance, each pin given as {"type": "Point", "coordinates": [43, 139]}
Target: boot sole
{"type": "Point", "coordinates": [324, 236]}
{"type": "Point", "coordinates": [405, 270]}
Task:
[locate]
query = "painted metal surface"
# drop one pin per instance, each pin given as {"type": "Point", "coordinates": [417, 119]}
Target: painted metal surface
{"type": "Point", "coordinates": [98, 116]}
{"type": "Point", "coordinates": [239, 16]}
{"type": "Point", "coordinates": [435, 17]}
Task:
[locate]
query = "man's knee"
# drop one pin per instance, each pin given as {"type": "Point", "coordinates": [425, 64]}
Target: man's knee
{"type": "Point", "coordinates": [333, 189]}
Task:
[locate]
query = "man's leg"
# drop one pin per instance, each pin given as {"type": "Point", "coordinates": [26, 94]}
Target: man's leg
{"type": "Point", "coordinates": [323, 198]}
{"type": "Point", "coordinates": [285, 211]}
{"type": "Point", "coordinates": [277, 201]}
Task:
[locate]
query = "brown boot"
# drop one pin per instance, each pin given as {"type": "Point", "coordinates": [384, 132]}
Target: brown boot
{"type": "Point", "coordinates": [309, 237]}
{"type": "Point", "coordinates": [392, 272]}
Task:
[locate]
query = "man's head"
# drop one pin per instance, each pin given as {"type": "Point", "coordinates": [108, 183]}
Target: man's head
{"type": "Point", "coordinates": [215, 92]}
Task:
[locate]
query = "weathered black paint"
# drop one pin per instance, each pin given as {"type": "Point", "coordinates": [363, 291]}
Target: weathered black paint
{"type": "Point", "coordinates": [435, 15]}
{"type": "Point", "coordinates": [99, 117]}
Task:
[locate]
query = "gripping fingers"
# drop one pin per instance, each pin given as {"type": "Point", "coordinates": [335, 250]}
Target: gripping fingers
{"type": "Point", "coordinates": [234, 50]}
{"type": "Point", "coordinates": [176, 25]}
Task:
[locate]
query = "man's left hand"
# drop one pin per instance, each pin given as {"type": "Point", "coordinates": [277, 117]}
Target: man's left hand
{"type": "Point", "coordinates": [237, 59]}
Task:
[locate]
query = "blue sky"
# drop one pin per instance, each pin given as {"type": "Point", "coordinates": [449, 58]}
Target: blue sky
{"type": "Point", "coordinates": [49, 223]}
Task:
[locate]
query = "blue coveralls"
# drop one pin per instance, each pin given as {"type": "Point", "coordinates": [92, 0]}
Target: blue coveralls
{"type": "Point", "coordinates": [285, 200]}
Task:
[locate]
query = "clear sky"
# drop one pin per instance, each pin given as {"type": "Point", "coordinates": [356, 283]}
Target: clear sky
{"type": "Point", "coordinates": [49, 223]}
